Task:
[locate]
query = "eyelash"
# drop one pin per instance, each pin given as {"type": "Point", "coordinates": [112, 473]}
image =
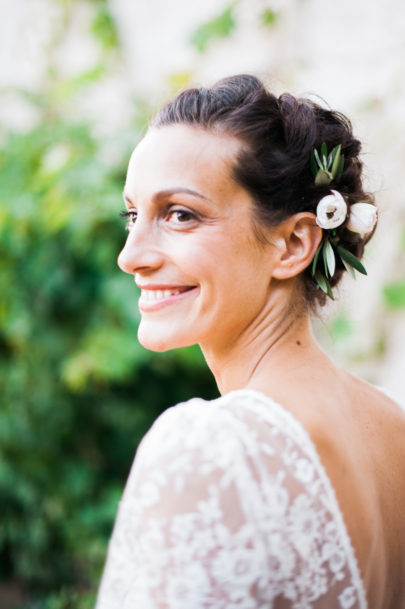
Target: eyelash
{"type": "Point", "coordinates": [130, 216]}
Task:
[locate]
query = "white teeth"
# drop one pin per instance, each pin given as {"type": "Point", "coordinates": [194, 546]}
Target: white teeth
{"type": "Point", "coordinates": [148, 295]}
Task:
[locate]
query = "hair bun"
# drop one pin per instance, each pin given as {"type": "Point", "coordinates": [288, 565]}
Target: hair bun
{"type": "Point", "coordinates": [299, 123]}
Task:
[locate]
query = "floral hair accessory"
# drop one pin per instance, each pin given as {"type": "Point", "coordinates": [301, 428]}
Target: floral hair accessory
{"type": "Point", "coordinates": [331, 212]}
{"type": "Point", "coordinates": [362, 218]}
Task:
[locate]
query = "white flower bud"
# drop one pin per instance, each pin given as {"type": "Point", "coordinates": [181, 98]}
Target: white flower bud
{"type": "Point", "coordinates": [331, 210]}
{"type": "Point", "coordinates": [362, 218]}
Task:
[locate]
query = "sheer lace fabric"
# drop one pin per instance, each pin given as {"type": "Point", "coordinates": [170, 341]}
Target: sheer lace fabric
{"type": "Point", "coordinates": [228, 506]}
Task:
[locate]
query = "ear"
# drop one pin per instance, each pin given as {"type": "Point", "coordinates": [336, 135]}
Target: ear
{"type": "Point", "coordinates": [297, 238]}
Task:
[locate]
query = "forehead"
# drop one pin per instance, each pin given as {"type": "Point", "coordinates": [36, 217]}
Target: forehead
{"type": "Point", "coordinates": [181, 155]}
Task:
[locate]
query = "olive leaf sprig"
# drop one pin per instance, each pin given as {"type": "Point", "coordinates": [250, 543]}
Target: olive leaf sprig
{"type": "Point", "coordinates": [327, 167]}
{"type": "Point", "coordinates": [329, 251]}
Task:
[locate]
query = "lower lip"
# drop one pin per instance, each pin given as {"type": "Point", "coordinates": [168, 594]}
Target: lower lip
{"type": "Point", "coordinates": [147, 306]}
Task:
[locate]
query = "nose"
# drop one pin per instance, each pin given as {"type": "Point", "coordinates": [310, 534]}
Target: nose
{"type": "Point", "coordinates": [140, 252]}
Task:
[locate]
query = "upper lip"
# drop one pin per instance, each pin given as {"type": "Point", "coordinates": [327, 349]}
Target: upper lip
{"type": "Point", "coordinates": [161, 286]}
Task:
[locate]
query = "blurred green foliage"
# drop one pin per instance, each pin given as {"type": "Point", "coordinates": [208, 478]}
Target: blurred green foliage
{"type": "Point", "coordinates": [78, 391]}
{"type": "Point", "coordinates": [103, 26]}
{"type": "Point", "coordinates": [341, 327]}
{"type": "Point", "coordinates": [216, 28]}
{"type": "Point", "coordinates": [269, 17]}
{"type": "Point", "coordinates": [394, 294]}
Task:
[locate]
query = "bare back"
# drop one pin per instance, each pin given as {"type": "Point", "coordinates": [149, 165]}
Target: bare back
{"type": "Point", "coordinates": [370, 485]}
{"type": "Point", "coordinates": [360, 436]}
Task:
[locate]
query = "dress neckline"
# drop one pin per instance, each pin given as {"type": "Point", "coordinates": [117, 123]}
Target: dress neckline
{"type": "Point", "coordinates": [337, 512]}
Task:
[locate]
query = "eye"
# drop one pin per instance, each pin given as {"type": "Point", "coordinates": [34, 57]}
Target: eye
{"type": "Point", "coordinates": [130, 216]}
{"type": "Point", "coordinates": [181, 216]}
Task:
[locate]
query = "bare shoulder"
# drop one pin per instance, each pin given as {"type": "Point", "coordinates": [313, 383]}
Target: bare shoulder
{"type": "Point", "coordinates": [363, 391]}
{"type": "Point", "coordinates": [378, 419]}
{"type": "Point", "coordinates": [348, 412]}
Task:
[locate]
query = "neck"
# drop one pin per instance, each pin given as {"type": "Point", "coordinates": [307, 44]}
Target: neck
{"type": "Point", "coordinates": [279, 341]}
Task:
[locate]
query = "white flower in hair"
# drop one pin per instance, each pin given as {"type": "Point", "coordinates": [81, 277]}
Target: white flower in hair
{"type": "Point", "coordinates": [362, 218]}
{"type": "Point", "coordinates": [331, 210]}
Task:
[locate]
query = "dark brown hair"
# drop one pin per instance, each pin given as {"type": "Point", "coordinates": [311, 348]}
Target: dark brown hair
{"type": "Point", "coordinates": [274, 163]}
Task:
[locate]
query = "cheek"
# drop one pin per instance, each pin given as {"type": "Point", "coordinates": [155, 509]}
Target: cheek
{"type": "Point", "coordinates": [234, 268]}
{"type": "Point", "coordinates": [198, 255]}
{"type": "Point", "coordinates": [226, 263]}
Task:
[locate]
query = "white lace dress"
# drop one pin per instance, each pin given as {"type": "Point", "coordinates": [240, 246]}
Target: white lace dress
{"type": "Point", "coordinates": [228, 506]}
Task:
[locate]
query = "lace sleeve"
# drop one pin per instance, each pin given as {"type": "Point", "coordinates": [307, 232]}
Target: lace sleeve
{"type": "Point", "coordinates": [225, 509]}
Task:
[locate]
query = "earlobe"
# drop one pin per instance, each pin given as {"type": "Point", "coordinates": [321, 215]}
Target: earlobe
{"type": "Point", "coordinates": [298, 241]}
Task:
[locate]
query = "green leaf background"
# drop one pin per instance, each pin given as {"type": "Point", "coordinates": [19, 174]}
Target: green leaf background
{"type": "Point", "coordinates": [77, 390]}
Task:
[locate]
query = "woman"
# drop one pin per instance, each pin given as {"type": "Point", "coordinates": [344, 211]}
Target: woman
{"type": "Point", "coordinates": [243, 212]}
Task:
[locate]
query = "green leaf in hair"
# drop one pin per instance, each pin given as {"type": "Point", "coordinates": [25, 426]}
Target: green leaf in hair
{"type": "Point", "coordinates": [351, 259]}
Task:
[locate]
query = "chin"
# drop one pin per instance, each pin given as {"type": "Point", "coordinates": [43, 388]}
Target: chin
{"type": "Point", "coordinates": [153, 340]}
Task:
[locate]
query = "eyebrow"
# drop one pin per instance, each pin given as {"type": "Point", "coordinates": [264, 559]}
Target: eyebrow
{"type": "Point", "coordinates": [162, 194]}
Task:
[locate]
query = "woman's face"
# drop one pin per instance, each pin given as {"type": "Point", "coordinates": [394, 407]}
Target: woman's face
{"type": "Point", "coordinates": [191, 246]}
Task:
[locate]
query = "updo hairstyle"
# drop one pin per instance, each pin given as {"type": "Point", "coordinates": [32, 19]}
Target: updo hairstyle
{"type": "Point", "coordinates": [273, 165]}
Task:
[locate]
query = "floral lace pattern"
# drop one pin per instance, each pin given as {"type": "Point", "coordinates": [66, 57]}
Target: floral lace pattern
{"type": "Point", "coordinates": [228, 506]}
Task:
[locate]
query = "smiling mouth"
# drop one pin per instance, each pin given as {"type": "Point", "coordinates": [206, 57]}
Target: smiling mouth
{"type": "Point", "coordinates": [156, 295]}
{"type": "Point", "coordinates": [152, 299]}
